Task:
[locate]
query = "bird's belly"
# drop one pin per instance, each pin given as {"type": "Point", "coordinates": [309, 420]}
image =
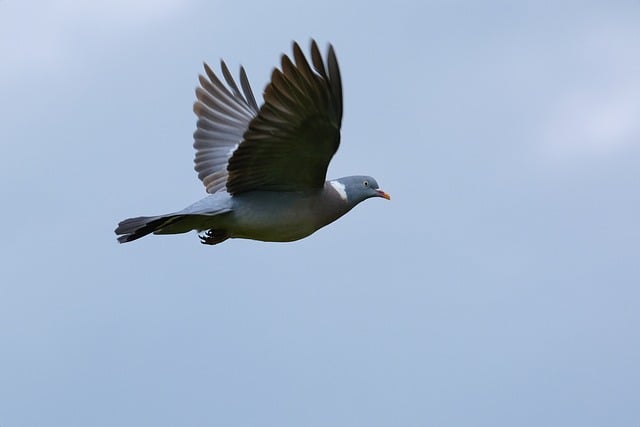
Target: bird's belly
{"type": "Point", "coordinates": [272, 229]}
{"type": "Point", "coordinates": [279, 220]}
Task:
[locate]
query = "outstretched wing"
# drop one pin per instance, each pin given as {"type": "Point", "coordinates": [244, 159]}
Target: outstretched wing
{"type": "Point", "coordinates": [223, 117]}
{"type": "Point", "coordinates": [289, 144]}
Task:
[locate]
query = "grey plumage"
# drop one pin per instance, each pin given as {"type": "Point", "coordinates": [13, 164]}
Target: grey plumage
{"type": "Point", "coordinates": [265, 167]}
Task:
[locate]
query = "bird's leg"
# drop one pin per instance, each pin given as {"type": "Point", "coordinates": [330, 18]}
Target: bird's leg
{"type": "Point", "coordinates": [213, 237]}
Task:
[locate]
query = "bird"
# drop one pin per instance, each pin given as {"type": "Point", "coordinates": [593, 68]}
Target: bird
{"type": "Point", "coordinates": [264, 167]}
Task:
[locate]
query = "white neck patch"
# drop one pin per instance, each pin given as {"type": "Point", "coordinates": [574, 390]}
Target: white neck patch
{"type": "Point", "coordinates": [340, 189]}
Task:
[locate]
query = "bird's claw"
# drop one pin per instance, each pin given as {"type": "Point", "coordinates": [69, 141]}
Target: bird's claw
{"type": "Point", "coordinates": [213, 237]}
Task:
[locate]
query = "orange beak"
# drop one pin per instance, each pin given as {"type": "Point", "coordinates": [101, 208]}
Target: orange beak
{"type": "Point", "coordinates": [383, 194]}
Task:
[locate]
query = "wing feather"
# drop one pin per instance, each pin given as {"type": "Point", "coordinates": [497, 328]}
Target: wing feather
{"type": "Point", "coordinates": [224, 114]}
{"type": "Point", "coordinates": [288, 145]}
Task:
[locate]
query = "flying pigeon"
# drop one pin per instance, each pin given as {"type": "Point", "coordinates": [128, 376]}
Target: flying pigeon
{"type": "Point", "coordinates": [265, 167]}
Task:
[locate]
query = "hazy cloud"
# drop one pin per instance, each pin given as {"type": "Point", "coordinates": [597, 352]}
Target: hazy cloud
{"type": "Point", "coordinates": [598, 109]}
{"type": "Point", "coordinates": [42, 33]}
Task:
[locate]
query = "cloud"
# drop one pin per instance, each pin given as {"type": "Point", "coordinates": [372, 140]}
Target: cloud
{"type": "Point", "coordinates": [594, 120]}
{"type": "Point", "coordinates": [597, 110]}
{"type": "Point", "coordinates": [41, 33]}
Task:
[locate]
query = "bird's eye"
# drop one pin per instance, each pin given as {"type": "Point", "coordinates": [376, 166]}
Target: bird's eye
{"type": "Point", "coordinates": [366, 183]}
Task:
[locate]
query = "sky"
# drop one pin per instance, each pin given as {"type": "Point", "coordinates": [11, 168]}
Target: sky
{"type": "Point", "coordinates": [499, 286]}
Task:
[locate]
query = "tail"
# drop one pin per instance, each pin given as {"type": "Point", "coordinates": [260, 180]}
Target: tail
{"type": "Point", "coordinates": [199, 216]}
{"type": "Point", "coordinates": [134, 228]}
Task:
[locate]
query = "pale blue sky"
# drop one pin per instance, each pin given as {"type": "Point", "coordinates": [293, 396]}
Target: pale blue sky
{"type": "Point", "coordinates": [499, 286]}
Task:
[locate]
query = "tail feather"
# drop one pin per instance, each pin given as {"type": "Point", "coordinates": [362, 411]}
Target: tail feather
{"type": "Point", "coordinates": [201, 215]}
{"type": "Point", "coordinates": [134, 228]}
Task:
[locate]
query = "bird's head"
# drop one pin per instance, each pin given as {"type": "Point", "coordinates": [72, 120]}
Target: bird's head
{"type": "Point", "coordinates": [355, 189]}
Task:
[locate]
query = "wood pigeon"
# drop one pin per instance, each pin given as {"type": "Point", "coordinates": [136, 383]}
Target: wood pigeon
{"type": "Point", "coordinates": [265, 167]}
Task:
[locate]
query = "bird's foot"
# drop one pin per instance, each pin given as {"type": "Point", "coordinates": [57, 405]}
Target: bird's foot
{"type": "Point", "coordinates": [213, 237]}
